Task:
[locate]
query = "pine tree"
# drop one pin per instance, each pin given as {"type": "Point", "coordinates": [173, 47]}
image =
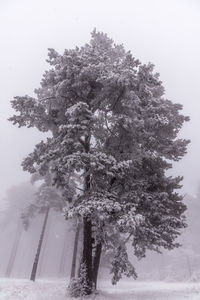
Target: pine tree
{"type": "Point", "coordinates": [47, 197]}
{"type": "Point", "coordinates": [111, 127]}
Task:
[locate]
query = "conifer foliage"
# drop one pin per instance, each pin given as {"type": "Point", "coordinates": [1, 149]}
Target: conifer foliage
{"type": "Point", "coordinates": [113, 129]}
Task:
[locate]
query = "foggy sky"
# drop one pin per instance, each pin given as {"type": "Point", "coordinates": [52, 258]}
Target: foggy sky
{"type": "Point", "coordinates": [164, 32]}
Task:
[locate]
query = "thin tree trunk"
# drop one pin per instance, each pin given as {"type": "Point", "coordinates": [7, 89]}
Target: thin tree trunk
{"type": "Point", "coordinates": [96, 263]}
{"type": "Point", "coordinates": [14, 250]}
{"type": "Point", "coordinates": [43, 249]}
{"type": "Point", "coordinates": [188, 265]}
{"type": "Point", "coordinates": [37, 256]}
{"type": "Point", "coordinates": [74, 259]}
{"type": "Point", "coordinates": [63, 254]}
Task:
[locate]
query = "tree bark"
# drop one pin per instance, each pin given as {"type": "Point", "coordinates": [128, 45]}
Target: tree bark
{"type": "Point", "coordinates": [87, 231]}
{"type": "Point", "coordinates": [87, 254]}
{"type": "Point", "coordinates": [74, 259]}
{"type": "Point", "coordinates": [14, 250]}
{"type": "Point", "coordinates": [96, 263]}
{"type": "Point", "coordinates": [37, 256]}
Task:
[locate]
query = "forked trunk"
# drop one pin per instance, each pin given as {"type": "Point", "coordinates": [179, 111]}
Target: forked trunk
{"type": "Point", "coordinates": [37, 256]}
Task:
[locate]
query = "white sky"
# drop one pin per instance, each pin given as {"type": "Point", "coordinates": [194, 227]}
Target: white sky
{"type": "Point", "coordinates": [165, 32]}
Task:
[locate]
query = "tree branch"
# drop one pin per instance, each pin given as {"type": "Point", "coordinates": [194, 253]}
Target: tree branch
{"type": "Point", "coordinates": [81, 142]}
{"type": "Point", "coordinates": [107, 125]}
{"type": "Point", "coordinates": [80, 189]}
{"type": "Point", "coordinates": [118, 98]}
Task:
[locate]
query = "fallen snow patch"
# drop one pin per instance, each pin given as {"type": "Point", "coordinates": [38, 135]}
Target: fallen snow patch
{"type": "Point", "coordinates": [18, 289]}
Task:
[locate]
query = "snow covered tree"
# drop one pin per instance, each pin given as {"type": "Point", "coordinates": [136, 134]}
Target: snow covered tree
{"type": "Point", "coordinates": [111, 127]}
{"type": "Point", "coordinates": [46, 196]}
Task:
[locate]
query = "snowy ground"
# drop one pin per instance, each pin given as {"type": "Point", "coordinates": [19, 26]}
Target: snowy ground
{"type": "Point", "coordinates": [16, 289]}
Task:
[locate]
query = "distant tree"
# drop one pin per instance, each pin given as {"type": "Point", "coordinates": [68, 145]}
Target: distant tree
{"type": "Point", "coordinates": [14, 249]}
{"type": "Point", "coordinates": [114, 129]}
{"type": "Point", "coordinates": [62, 268]}
{"type": "Point", "coordinates": [63, 253]}
{"type": "Point", "coordinates": [47, 197]}
{"type": "Point", "coordinates": [37, 256]}
{"type": "Point", "coordinates": [15, 201]}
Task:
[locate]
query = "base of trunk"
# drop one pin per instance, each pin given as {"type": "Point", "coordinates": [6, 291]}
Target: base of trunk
{"type": "Point", "coordinates": [96, 263]}
{"type": "Point", "coordinates": [86, 268]}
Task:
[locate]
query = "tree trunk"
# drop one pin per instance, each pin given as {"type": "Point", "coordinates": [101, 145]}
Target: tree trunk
{"type": "Point", "coordinates": [14, 250]}
{"type": "Point", "coordinates": [37, 256]}
{"type": "Point", "coordinates": [87, 254]}
{"type": "Point", "coordinates": [43, 249]}
{"type": "Point", "coordinates": [74, 259]}
{"type": "Point", "coordinates": [96, 263]}
{"type": "Point", "coordinates": [63, 254]}
{"type": "Point", "coordinates": [87, 232]}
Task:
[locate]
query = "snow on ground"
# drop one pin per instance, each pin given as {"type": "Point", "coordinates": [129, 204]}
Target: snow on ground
{"type": "Point", "coordinates": [20, 289]}
{"type": "Point", "coordinates": [151, 291]}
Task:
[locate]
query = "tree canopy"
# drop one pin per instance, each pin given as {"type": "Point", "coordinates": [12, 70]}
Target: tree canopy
{"type": "Point", "coordinates": [113, 129]}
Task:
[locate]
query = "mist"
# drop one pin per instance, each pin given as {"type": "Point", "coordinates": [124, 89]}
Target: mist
{"type": "Point", "coordinates": [165, 33]}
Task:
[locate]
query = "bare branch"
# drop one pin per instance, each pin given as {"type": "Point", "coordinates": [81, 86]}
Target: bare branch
{"type": "Point", "coordinates": [80, 189]}
{"type": "Point", "coordinates": [127, 239]}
